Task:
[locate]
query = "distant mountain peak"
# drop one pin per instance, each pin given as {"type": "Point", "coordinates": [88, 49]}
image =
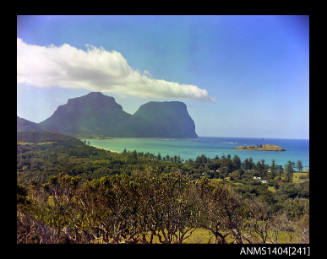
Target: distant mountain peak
{"type": "Point", "coordinates": [95, 94]}
{"type": "Point", "coordinates": [94, 113]}
{"type": "Point", "coordinates": [162, 119]}
{"type": "Point", "coordinates": [99, 114]}
{"type": "Point", "coordinates": [98, 96]}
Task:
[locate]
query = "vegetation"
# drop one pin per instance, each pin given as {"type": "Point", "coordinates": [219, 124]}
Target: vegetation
{"type": "Point", "coordinates": [261, 148]}
{"type": "Point", "coordinates": [69, 192]}
{"type": "Point", "coordinates": [25, 125]}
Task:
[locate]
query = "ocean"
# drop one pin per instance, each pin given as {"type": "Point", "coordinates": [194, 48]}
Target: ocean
{"type": "Point", "coordinates": [296, 149]}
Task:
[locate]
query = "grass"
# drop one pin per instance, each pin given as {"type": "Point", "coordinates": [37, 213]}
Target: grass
{"type": "Point", "coordinates": [237, 183]}
{"type": "Point", "coordinates": [300, 177]}
{"type": "Point", "coordinates": [204, 236]}
{"type": "Point", "coordinates": [199, 236]}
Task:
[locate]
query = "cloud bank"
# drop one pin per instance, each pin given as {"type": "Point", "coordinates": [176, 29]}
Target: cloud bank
{"type": "Point", "coordinates": [95, 69]}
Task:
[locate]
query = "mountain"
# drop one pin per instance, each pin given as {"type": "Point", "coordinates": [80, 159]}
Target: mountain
{"type": "Point", "coordinates": [98, 114]}
{"type": "Point", "coordinates": [160, 119]}
{"type": "Point", "coordinates": [92, 114]}
{"type": "Point", "coordinates": [25, 125]}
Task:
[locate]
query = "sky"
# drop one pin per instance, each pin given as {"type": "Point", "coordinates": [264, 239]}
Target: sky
{"type": "Point", "coordinates": [240, 76]}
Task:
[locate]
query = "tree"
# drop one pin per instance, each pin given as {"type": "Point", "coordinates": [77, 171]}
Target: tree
{"type": "Point", "coordinates": [135, 155]}
{"type": "Point", "coordinates": [251, 163]}
{"type": "Point", "coordinates": [236, 163]}
{"type": "Point", "coordinates": [264, 173]}
{"type": "Point", "coordinates": [263, 163]}
{"type": "Point", "coordinates": [245, 164]}
{"type": "Point", "coordinates": [299, 166]}
{"type": "Point", "coordinates": [279, 224]}
{"type": "Point", "coordinates": [175, 213]}
{"type": "Point", "coordinates": [259, 168]}
{"type": "Point", "coordinates": [273, 169]}
{"type": "Point", "coordinates": [289, 171]}
{"type": "Point", "coordinates": [212, 217]}
{"type": "Point", "coordinates": [259, 224]}
{"type": "Point", "coordinates": [223, 212]}
{"type": "Point", "coordinates": [280, 170]}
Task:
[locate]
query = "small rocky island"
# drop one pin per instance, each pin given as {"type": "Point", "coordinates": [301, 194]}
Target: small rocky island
{"type": "Point", "coordinates": [266, 147]}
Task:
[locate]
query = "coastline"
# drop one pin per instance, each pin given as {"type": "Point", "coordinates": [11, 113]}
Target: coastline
{"type": "Point", "coordinates": [210, 147]}
{"type": "Point", "coordinates": [261, 147]}
{"type": "Point", "coordinates": [101, 148]}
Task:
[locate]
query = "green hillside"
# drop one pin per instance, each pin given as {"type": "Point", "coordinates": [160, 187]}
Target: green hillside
{"type": "Point", "coordinates": [25, 125]}
{"type": "Point", "coordinates": [69, 192]}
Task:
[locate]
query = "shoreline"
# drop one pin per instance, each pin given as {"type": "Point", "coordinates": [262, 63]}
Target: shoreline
{"type": "Point", "coordinates": [192, 152]}
{"type": "Point", "coordinates": [100, 148]}
{"type": "Point", "coordinates": [261, 147]}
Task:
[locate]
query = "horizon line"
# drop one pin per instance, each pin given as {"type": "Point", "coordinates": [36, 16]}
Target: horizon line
{"type": "Point", "coordinates": [253, 137]}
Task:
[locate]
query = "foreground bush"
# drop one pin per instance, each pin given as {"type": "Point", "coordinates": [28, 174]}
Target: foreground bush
{"type": "Point", "coordinates": [143, 207]}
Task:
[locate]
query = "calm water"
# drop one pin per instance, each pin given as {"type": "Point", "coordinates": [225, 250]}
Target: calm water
{"type": "Point", "coordinates": [211, 146]}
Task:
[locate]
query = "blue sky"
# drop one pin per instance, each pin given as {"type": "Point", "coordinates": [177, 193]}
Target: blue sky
{"type": "Point", "coordinates": [255, 67]}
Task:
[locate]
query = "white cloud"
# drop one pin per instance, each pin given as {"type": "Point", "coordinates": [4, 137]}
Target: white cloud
{"type": "Point", "coordinates": [95, 69]}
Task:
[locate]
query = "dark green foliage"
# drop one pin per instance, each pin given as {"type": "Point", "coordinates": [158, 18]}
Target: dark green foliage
{"type": "Point", "coordinates": [72, 192]}
{"type": "Point", "coordinates": [236, 163]}
{"type": "Point", "coordinates": [21, 195]}
{"type": "Point", "coordinates": [293, 190]}
{"type": "Point", "coordinates": [295, 208]}
{"type": "Point", "coordinates": [237, 174]}
{"type": "Point", "coordinates": [251, 190]}
{"type": "Point", "coordinates": [299, 166]}
{"type": "Point", "coordinates": [289, 171]}
{"type": "Point", "coordinates": [48, 138]}
{"type": "Point", "coordinates": [273, 170]}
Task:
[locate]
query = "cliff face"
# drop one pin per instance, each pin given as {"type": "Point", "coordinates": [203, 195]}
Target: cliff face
{"type": "Point", "coordinates": [97, 114]}
{"type": "Point", "coordinates": [160, 119]}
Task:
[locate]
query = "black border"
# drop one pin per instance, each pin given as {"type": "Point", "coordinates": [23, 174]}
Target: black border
{"type": "Point", "coordinates": [195, 249]}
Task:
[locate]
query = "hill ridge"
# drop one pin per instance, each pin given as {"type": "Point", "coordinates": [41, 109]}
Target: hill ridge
{"type": "Point", "coordinates": [99, 114]}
